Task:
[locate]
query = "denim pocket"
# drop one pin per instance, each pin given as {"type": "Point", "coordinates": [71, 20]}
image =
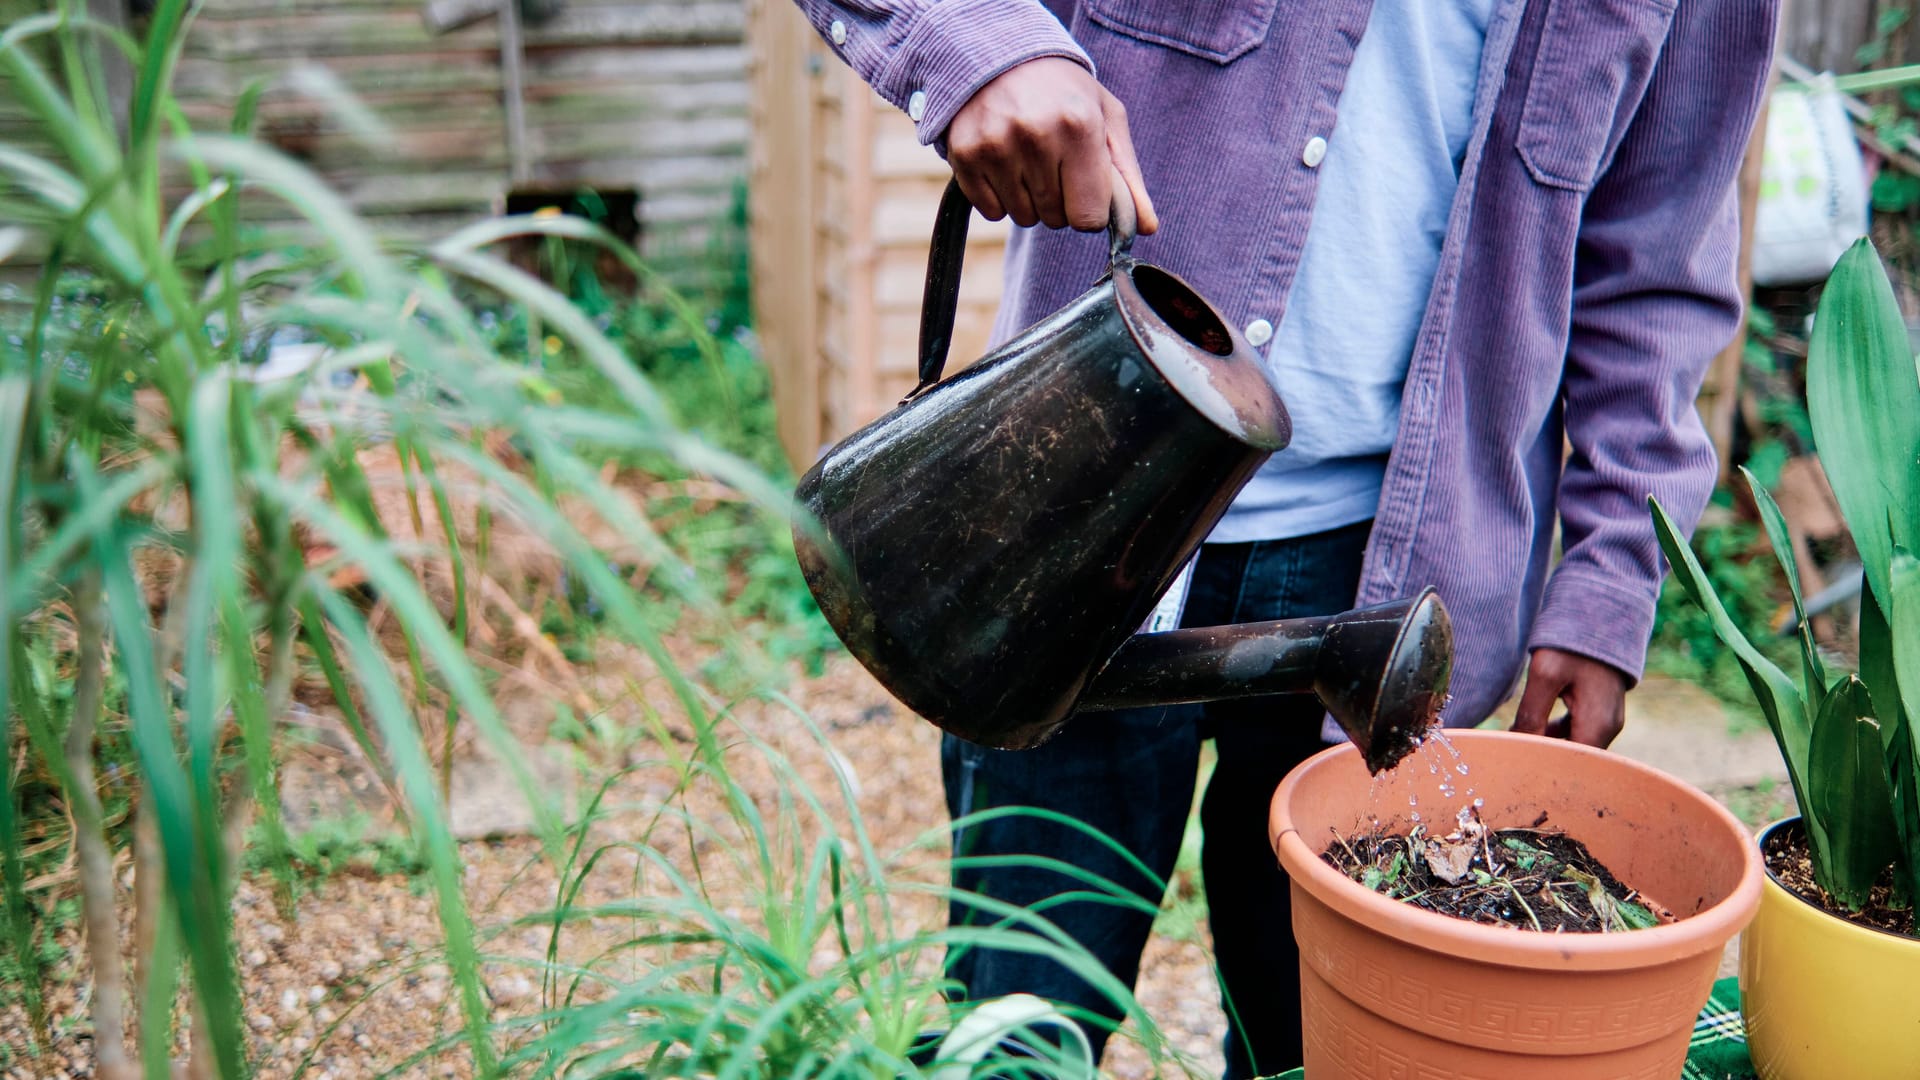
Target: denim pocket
{"type": "Point", "coordinates": [1216, 30]}
{"type": "Point", "coordinates": [1593, 65]}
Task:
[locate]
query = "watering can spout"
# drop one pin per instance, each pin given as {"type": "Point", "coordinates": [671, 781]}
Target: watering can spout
{"type": "Point", "coordinates": [1381, 671]}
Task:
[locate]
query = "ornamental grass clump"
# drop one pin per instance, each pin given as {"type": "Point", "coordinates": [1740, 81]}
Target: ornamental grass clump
{"type": "Point", "coordinates": [1849, 739]}
{"type": "Point", "coordinates": [189, 527]}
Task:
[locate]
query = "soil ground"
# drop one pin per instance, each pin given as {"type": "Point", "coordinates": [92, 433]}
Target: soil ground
{"type": "Point", "coordinates": [340, 986]}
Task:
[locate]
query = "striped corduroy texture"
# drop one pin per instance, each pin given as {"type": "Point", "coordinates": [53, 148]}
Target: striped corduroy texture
{"type": "Point", "coordinates": [1586, 281]}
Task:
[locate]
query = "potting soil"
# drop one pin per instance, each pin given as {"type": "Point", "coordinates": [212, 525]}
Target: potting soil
{"type": "Point", "coordinates": [1791, 863]}
{"type": "Point", "coordinates": [1535, 878]}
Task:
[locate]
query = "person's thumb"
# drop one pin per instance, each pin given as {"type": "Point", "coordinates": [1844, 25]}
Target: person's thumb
{"type": "Point", "coordinates": [1120, 146]}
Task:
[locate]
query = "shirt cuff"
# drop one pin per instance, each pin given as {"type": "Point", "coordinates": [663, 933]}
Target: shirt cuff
{"type": "Point", "coordinates": [1586, 614]}
{"type": "Point", "coordinates": [958, 46]}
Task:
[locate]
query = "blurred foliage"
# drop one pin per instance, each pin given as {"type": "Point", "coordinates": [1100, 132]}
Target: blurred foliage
{"type": "Point", "coordinates": [715, 386]}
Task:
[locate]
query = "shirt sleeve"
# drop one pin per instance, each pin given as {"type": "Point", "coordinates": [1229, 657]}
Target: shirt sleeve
{"type": "Point", "coordinates": [928, 57]}
{"type": "Point", "coordinates": [1655, 296]}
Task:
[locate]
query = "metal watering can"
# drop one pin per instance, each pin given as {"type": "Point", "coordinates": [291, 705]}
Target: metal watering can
{"type": "Point", "coordinates": [990, 547]}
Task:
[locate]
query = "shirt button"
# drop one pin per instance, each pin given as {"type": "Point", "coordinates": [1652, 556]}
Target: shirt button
{"type": "Point", "coordinates": [917, 106]}
{"type": "Point", "coordinates": [1259, 332]}
{"type": "Point", "coordinates": [1315, 153]}
{"type": "Point", "coordinates": [838, 32]}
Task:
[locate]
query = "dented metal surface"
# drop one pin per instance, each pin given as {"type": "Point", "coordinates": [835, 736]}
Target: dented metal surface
{"type": "Point", "coordinates": [989, 545]}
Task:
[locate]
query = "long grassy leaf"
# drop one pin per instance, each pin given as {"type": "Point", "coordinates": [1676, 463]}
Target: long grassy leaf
{"type": "Point", "coordinates": [21, 938]}
{"type": "Point", "coordinates": [409, 757]}
{"type": "Point", "coordinates": [31, 579]}
{"type": "Point", "coordinates": [210, 576]}
{"type": "Point", "coordinates": [206, 924]}
{"type": "Point", "coordinates": [398, 586]}
{"type": "Point", "coordinates": [163, 982]}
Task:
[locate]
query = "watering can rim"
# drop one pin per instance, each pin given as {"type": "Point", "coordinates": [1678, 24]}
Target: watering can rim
{"type": "Point", "coordinates": [1231, 389]}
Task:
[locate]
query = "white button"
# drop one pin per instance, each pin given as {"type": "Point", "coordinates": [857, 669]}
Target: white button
{"type": "Point", "coordinates": [1259, 332]}
{"type": "Point", "coordinates": [917, 106]}
{"type": "Point", "coordinates": [1315, 153]}
{"type": "Point", "coordinates": [838, 31]}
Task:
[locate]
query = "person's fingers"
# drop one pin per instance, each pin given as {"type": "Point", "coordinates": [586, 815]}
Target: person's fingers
{"type": "Point", "coordinates": [1086, 184]}
{"type": "Point", "coordinates": [1120, 150]}
{"type": "Point", "coordinates": [1598, 705]}
{"type": "Point", "coordinates": [1042, 185]}
{"type": "Point", "coordinates": [1537, 700]}
{"type": "Point", "coordinates": [1560, 727]}
{"type": "Point", "coordinates": [979, 191]}
{"type": "Point", "coordinates": [1013, 195]}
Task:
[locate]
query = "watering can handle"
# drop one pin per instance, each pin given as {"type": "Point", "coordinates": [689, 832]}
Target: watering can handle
{"type": "Point", "coordinates": [942, 299]}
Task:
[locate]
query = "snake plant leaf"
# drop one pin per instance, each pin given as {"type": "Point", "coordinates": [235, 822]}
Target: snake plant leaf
{"type": "Point", "coordinates": [1813, 671]}
{"type": "Point", "coordinates": [1852, 796]}
{"type": "Point", "coordinates": [1903, 623]}
{"type": "Point", "coordinates": [1779, 698]}
{"type": "Point", "coordinates": [1877, 667]}
{"type": "Point", "coordinates": [1863, 398]}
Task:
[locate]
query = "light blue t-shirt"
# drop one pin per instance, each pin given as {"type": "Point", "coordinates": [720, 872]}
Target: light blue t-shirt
{"type": "Point", "coordinates": [1339, 357]}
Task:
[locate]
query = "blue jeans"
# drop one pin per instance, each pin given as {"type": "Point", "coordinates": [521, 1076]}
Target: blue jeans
{"type": "Point", "coordinates": [1131, 776]}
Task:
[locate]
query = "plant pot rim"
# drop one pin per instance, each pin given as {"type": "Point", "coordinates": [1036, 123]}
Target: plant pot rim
{"type": "Point", "coordinates": [1705, 930]}
{"type": "Point", "coordinates": [1760, 845]}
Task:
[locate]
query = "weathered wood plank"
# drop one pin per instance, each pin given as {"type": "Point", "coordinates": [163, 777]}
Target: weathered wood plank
{"type": "Point", "coordinates": [349, 32]}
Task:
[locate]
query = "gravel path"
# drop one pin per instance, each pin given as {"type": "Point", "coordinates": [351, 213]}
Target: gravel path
{"type": "Point", "coordinates": [347, 985]}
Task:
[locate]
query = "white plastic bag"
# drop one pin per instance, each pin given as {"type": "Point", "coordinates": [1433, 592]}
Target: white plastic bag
{"type": "Point", "coordinates": [981, 1032]}
{"type": "Point", "coordinates": [1813, 187]}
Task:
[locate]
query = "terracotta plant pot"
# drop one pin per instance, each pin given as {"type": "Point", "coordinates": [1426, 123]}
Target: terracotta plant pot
{"type": "Point", "coordinates": [1393, 991]}
{"type": "Point", "coordinates": [1824, 998]}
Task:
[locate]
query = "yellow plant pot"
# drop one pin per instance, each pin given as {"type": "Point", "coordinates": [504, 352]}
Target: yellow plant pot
{"type": "Point", "coordinates": [1825, 999]}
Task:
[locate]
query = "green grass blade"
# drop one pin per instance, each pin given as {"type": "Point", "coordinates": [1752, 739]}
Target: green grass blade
{"type": "Point", "coordinates": [402, 739]}
{"type": "Point", "coordinates": [13, 876]}
{"type": "Point", "coordinates": [163, 982]}
{"type": "Point", "coordinates": [31, 580]}
{"type": "Point", "coordinates": [349, 235]}
{"type": "Point", "coordinates": [165, 34]}
{"type": "Point", "coordinates": [210, 575]}
{"type": "Point", "coordinates": [1863, 398]}
{"type": "Point", "coordinates": [399, 588]}
{"type": "Point", "coordinates": [313, 630]}
{"type": "Point", "coordinates": [206, 923]}
{"type": "Point", "coordinates": [1852, 796]}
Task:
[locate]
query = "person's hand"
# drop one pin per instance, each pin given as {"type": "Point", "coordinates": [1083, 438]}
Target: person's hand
{"type": "Point", "coordinates": [1595, 693]}
{"type": "Point", "coordinates": [1043, 142]}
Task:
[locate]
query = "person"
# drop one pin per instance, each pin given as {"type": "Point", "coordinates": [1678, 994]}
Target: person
{"type": "Point", "coordinates": [1487, 248]}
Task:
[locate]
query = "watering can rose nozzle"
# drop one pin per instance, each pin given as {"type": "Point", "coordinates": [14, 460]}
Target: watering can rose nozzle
{"type": "Point", "coordinates": [1381, 671]}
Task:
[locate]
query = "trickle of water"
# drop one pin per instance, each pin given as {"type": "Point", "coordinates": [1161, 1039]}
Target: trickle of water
{"type": "Point", "coordinates": [1453, 751]}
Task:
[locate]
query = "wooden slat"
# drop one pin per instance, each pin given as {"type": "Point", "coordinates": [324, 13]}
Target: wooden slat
{"type": "Point", "coordinates": [781, 251]}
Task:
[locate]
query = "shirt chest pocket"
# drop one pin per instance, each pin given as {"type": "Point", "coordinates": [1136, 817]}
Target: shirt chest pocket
{"type": "Point", "coordinates": [1216, 30]}
{"type": "Point", "coordinates": [1592, 68]}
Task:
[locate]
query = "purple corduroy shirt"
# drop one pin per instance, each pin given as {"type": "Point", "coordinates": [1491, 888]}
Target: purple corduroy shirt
{"type": "Point", "coordinates": [1586, 280]}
